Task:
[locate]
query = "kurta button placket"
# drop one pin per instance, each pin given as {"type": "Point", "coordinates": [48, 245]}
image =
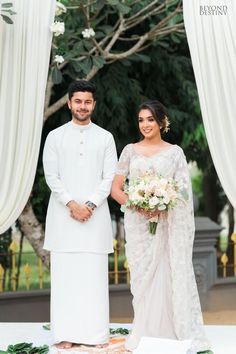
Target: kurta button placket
{"type": "Point", "coordinates": [81, 143]}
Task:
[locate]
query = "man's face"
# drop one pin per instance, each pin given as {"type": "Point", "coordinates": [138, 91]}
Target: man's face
{"type": "Point", "coordinates": [81, 105]}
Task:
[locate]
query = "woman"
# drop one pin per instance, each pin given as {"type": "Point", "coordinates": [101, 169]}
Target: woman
{"type": "Point", "coordinates": [165, 297]}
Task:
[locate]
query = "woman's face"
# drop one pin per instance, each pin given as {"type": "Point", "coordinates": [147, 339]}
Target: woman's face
{"type": "Point", "coordinates": [148, 126]}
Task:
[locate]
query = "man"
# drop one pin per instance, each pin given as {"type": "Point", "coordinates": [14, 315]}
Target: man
{"type": "Point", "coordinates": [79, 164]}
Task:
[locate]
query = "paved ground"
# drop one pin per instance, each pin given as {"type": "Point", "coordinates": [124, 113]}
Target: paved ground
{"type": "Point", "coordinates": [219, 306]}
{"type": "Point", "coordinates": [227, 317]}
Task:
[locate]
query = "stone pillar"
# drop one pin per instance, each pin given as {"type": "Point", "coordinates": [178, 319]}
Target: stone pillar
{"type": "Point", "coordinates": [204, 252]}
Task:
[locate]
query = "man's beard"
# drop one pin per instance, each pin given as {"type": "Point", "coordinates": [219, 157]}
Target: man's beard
{"type": "Point", "coordinates": [79, 118]}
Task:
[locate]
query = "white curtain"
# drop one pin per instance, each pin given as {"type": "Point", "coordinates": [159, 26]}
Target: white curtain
{"type": "Point", "coordinates": [24, 59]}
{"type": "Point", "coordinates": [211, 33]}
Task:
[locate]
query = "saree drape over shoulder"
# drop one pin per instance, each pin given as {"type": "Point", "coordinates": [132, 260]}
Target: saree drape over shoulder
{"type": "Point", "coordinates": [165, 296]}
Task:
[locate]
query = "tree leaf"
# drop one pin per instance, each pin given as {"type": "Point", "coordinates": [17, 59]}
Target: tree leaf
{"type": "Point", "coordinates": [56, 75]}
{"type": "Point", "coordinates": [88, 45]}
{"type": "Point", "coordinates": [140, 57]}
{"type": "Point", "coordinates": [9, 11]}
{"type": "Point", "coordinates": [98, 62]}
{"type": "Point", "coordinates": [105, 29]}
{"type": "Point", "coordinates": [99, 34]}
{"type": "Point", "coordinates": [113, 2]}
{"type": "Point", "coordinates": [6, 5]}
{"type": "Point", "coordinates": [7, 19]}
{"type": "Point", "coordinates": [124, 9]}
{"type": "Point", "coordinates": [86, 65]}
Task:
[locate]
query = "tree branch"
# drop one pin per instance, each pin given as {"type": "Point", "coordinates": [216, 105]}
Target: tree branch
{"type": "Point", "coordinates": [116, 35]}
{"type": "Point", "coordinates": [34, 233]}
{"type": "Point", "coordinates": [129, 52]}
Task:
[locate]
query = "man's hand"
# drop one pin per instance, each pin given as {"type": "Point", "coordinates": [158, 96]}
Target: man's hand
{"type": "Point", "coordinates": [79, 212]}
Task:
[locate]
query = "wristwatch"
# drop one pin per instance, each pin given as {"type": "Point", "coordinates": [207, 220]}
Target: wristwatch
{"type": "Point", "coordinates": [91, 205]}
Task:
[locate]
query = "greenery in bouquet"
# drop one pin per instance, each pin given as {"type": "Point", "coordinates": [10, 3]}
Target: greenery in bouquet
{"type": "Point", "coordinates": [153, 193]}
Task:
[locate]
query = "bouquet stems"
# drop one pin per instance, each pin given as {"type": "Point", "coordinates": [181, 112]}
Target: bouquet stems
{"type": "Point", "coordinates": [152, 227]}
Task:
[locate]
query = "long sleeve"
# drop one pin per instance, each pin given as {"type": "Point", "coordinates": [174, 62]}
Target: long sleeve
{"type": "Point", "coordinates": [51, 171]}
{"type": "Point", "coordinates": [109, 168]}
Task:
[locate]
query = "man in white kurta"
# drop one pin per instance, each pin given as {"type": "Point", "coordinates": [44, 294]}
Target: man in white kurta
{"type": "Point", "coordinates": [79, 164]}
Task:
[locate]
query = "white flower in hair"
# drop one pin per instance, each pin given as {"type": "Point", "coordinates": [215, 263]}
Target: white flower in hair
{"type": "Point", "coordinates": [167, 125]}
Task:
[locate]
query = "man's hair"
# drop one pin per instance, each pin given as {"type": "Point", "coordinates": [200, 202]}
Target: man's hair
{"type": "Point", "coordinates": [82, 86]}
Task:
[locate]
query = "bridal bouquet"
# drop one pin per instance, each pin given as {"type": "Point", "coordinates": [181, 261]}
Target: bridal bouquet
{"type": "Point", "coordinates": [151, 193]}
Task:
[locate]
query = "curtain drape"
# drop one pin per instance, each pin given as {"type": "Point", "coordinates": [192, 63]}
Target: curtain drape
{"type": "Point", "coordinates": [211, 33]}
{"type": "Point", "coordinates": [24, 59]}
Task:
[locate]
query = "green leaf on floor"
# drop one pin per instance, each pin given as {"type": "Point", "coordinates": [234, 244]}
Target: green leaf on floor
{"type": "Point", "coordinates": [120, 330]}
{"type": "Point", "coordinates": [47, 327]}
{"type": "Point", "coordinates": [25, 348]}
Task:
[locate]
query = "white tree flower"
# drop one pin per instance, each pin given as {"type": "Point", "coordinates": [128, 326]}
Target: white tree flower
{"type": "Point", "coordinates": [60, 8]}
{"type": "Point", "coordinates": [58, 28]}
{"type": "Point", "coordinates": [88, 33]}
{"type": "Point", "coordinates": [59, 59]}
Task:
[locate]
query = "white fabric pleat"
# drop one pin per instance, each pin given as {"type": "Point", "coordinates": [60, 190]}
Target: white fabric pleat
{"type": "Point", "coordinates": [24, 59]}
{"type": "Point", "coordinates": [212, 42]}
{"type": "Point", "coordinates": [79, 297]}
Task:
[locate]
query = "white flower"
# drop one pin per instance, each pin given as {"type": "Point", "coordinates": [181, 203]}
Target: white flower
{"type": "Point", "coordinates": [161, 207]}
{"type": "Point", "coordinates": [88, 32]}
{"type": "Point", "coordinates": [135, 197]}
{"type": "Point", "coordinates": [58, 28]}
{"type": "Point", "coordinates": [60, 8]}
{"type": "Point", "coordinates": [166, 199]}
{"type": "Point", "coordinates": [59, 59]}
{"type": "Point", "coordinates": [153, 201]}
{"type": "Point", "coordinates": [160, 192]}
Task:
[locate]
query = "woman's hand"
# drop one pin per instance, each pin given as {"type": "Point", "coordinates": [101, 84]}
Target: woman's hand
{"type": "Point", "coordinates": [149, 214]}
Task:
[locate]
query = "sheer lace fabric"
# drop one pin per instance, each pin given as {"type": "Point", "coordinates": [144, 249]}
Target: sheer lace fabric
{"type": "Point", "coordinates": [165, 297]}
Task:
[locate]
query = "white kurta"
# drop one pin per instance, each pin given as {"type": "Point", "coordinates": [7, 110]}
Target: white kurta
{"type": "Point", "coordinates": [79, 164]}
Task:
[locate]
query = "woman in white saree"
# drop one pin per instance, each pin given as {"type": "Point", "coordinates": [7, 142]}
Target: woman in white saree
{"type": "Point", "coordinates": [165, 297]}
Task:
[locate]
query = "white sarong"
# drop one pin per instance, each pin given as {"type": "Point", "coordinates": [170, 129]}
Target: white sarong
{"type": "Point", "coordinates": [79, 297]}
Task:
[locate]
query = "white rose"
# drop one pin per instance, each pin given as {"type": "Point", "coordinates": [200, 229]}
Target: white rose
{"type": "Point", "coordinates": [59, 59]}
{"type": "Point", "coordinates": [88, 32]}
{"type": "Point", "coordinates": [163, 182]}
{"type": "Point", "coordinates": [60, 8]}
{"type": "Point", "coordinates": [58, 28]}
{"type": "Point", "coordinates": [153, 201]}
{"type": "Point", "coordinates": [136, 197]}
{"type": "Point", "coordinates": [166, 199]}
{"type": "Point", "coordinates": [160, 192]}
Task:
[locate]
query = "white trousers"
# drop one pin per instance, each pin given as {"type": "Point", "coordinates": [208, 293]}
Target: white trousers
{"type": "Point", "coordinates": [79, 297]}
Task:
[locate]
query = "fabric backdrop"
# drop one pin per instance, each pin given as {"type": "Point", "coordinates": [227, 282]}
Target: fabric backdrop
{"type": "Point", "coordinates": [211, 33]}
{"type": "Point", "coordinates": [24, 59]}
